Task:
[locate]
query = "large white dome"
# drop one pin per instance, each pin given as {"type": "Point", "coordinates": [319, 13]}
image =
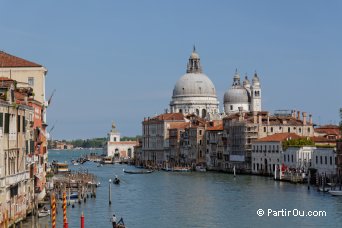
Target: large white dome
{"type": "Point", "coordinates": [194, 84]}
{"type": "Point", "coordinates": [194, 92]}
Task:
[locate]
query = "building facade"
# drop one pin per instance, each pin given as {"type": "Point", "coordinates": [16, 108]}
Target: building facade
{"type": "Point", "coordinates": [117, 149]}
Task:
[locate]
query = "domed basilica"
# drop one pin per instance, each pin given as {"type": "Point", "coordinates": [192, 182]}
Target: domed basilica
{"type": "Point", "coordinates": [194, 93]}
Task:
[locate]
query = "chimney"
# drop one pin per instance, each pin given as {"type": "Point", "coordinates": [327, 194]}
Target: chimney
{"type": "Point", "coordinates": [304, 118]}
{"type": "Point", "coordinates": [255, 117]}
{"type": "Point", "coordinates": [310, 119]}
{"type": "Point", "coordinates": [268, 119]}
{"type": "Point", "coordinates": [298, 115]}
{"type": "Point", "coordinates": [260, 119]}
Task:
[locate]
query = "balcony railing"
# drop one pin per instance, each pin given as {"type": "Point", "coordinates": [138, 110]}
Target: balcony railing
{"type": "Point", "coordinates": [16, 178]}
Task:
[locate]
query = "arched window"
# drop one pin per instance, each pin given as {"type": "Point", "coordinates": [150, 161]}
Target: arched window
{"type": "Point", "coordinates": [204, 113]}
{"type": "Point", "coordinates": [197, 112]}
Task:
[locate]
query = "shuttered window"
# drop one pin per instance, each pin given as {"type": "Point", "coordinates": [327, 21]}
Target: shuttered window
{"type": "Point", "coordinates": [31, 146]}
{"type": "Point", "coordinates": [7, 123]}
{"type": "Point", "coordinates": [24, 124]}
{"type": "Point", "coordinates": [18, 123]}
{"type": "Point", "coordinates": [1, 119]}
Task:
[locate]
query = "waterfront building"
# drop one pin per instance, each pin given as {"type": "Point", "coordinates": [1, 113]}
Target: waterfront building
{"type": "Point", "coordinates": [155, 137]}
{"type": "Point", "coordinates": [174, 156]}
{"type": "Point", "coordinates": [30, 79]}
{"type": "Point", "coordinates": [193, 142]}
{"type": "Point", "coordinates": [267, 153]}
{"type": "Point", "coordinates": [16, 142]}
{"type": "Point", "coordinates": [324, 161]}
{"type": "Point", "coordinates": [194, 92]}
{"type": "Point", "coordinates": [298, 159]}
{"type": "Point", "coordinates": [215, 147]}
{"type": "Point", "coordinates": [243, 128]}
{"type": "Point", "coordinates": [339, 157]}
{"type": "Point", "coordinates": [243, 96]}
{"type": "Point", "coordinates": [117, 149]}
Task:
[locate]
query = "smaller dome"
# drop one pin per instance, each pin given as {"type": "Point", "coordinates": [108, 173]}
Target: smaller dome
{"type": "Point", "coordinates": [255, 79]}
{"type": "Point", "coordinates": [246, 81]}
{"type": "Point", "coordinates": [236, 95]}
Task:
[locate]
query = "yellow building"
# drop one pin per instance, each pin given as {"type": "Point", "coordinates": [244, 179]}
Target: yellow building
{"type": "Point", "coordinates": [26, 73]}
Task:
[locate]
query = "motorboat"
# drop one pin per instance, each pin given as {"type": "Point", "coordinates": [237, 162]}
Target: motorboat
{"type": "Point", "coordinates": [44, 212]}
{"type": "Point", "coordinates": [336, 192]}
{"type": "Point", "coordinates": [200, 168]}
{"type": "Point", "coordinates": [181, 169]}
{"type": "Point", "coordinates": [325, 189]}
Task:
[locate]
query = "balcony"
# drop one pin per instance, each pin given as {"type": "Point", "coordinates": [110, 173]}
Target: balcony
{"type": "Point", "coordinates": [16, 178]}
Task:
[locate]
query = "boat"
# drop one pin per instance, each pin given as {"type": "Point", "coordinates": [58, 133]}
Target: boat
{"type": "Point", "coordinates": [43, 213]}
{"type": "Point", "coordinates": [107, 160]}
{"type": "Point", "coordinates": [201, 168]}
{"type": "Point", "coordinates": [137, 171]}
{"type": "Point", "coordinates": [335, 192]}
{"type": "Point", "coordinates": [62, 168]}
{"type": "Point", "coordinates": [73, 196]}
{"type": "Point", "coordinates": [181, 169]}
{"type": "Point", "coordinates": [116, 180]}
{"type": "Point", "coordinates": [325, 189]}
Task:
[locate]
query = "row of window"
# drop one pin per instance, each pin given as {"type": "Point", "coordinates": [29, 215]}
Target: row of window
{"type": "Point", "coordinates": [288, 129]}
{"type": "Point", "coordinates": [7, 118]}
{"type": "Point", "coordinates": [270, 148]}
{"type": "Point", "coordinates": [326, 160]}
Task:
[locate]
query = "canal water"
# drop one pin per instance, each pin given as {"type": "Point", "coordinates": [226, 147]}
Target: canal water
{"type": "Point", "coordinates": [169, 200]}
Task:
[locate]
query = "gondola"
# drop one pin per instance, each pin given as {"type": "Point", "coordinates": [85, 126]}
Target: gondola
{"type": "Point", "coordinates": [138, 171]}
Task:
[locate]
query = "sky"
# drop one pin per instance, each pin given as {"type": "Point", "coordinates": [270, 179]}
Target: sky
{"type": "Point", "coordinates": [119, 60]}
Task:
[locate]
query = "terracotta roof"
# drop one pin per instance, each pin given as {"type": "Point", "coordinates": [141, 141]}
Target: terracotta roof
{"type": "Point", "coordinates": [7, 60]}
{"type": "Point", "coordinates": [167, 116]}
{"type": "Point", "coordinates": [179, 125]}
{"type": "Point", "coordinates": [322, 139]}
{"type": "Point", "coordinates": [328, 130]}
{"type": "Point", "coordinates": [216, 128]}
{"type": "Point", "coordinates": [124, 142]}
{"type": "Point", "coordinates": [278, 137]}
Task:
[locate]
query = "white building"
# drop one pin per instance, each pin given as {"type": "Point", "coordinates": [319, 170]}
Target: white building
{"type": "Point", "coordinates": [324, 160]}
{"type": "Point", "coordinates": [246, 95]}
{"type": "Point", "coordinates": [194, 92]}
{"type": "Point", "coordinates": [119, 149]}
{"type": "Point", "coordinates": [298, 158]}
{"type": "Point", "coordinates": [267, 153]}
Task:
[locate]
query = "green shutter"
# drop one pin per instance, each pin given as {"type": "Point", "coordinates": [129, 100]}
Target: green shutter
{"type": "Point", "coordinates": [7, 121]}
{"type": "Point", "coordinates": [18, 123]}
{"type": "Point", "coordinates": [1, 119]}
{"type": "Point", "coordinates": [24, 124]}
{"type": "Point", "coordinates": [27, 146]}
{"type": "Point", "coordinates": [31, 146]}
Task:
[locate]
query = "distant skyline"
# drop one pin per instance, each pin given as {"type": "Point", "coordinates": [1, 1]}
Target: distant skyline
{"type": "Point", "coordinates": [119, 60]}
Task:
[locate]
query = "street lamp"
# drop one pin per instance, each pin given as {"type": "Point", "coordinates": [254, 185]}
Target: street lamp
{"type": "Point", "coordinates": [110, 192]}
